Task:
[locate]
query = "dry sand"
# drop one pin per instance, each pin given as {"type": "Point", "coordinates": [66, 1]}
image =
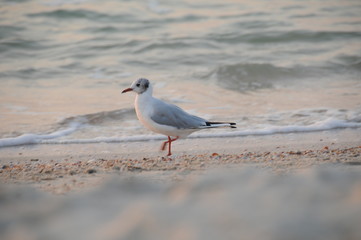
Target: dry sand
{"type": "Point", "coordinates": [286, 186]}
{"type": "Point", "coordinates": [62, 168]}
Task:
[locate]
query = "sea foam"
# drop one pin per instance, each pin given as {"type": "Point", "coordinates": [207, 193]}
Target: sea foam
{"type": "Point", "coordinates": [53, 138]}
{"type": "Point", "coordinates": [31, 138]}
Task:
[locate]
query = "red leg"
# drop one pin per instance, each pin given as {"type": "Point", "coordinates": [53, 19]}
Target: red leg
{"type": "Point", "coordinates": [165, 144]}
{"type": "Point", "coordinates": [170, 144]}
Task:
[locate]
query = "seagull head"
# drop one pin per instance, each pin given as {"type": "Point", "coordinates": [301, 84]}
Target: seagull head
{"type": "Point", "coordinates": [139, 86]}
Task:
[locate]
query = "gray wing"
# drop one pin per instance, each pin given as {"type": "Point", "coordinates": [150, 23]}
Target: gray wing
{"type": "Point", "coordinates": [172, 115]}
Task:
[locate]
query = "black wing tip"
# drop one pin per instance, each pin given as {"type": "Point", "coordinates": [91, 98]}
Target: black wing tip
{"type": "Point", "coordinates": [231, 124]}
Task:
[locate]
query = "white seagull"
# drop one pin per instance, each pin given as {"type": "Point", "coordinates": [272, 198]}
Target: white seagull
{"type": "Point", "coordinates": [165, 118]}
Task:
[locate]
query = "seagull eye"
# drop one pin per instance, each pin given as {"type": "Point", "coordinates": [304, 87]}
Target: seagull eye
{"type": "Point", "coordinates": [138, 85]}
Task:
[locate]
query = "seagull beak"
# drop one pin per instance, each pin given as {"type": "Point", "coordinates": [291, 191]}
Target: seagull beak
{"type": "Point", "coordinates": [127, 90]}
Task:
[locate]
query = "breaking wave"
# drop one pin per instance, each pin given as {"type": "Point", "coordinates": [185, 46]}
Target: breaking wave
{"type": "Point", "coordinates": [53, 138]}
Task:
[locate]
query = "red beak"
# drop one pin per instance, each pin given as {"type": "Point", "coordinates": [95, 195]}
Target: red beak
{"type": "Point", "coordinates": [127, 90]}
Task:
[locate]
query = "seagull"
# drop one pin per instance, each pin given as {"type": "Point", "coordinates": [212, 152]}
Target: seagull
{"type": "Point", "coordinates": [165, 118]}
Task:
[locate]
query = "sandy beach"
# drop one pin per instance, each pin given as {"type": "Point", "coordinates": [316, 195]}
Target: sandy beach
{"type": "Point", "coordinates": [61, 169]}
{"type": "Point", "coordinates": [211, 188]}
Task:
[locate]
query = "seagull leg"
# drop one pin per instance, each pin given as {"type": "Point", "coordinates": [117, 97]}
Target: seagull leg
{"type": "Point", "coordinates": [165, 144]}
{"type": "Point", "coordinates": [170, 144]}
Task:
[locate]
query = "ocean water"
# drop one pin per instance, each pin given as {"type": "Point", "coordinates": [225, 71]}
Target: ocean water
{"type": "Point", "coordinates": [271, 66]}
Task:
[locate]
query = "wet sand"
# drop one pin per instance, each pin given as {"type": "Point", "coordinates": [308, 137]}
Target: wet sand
{"type": "Point", "coordinates": [61, 169]}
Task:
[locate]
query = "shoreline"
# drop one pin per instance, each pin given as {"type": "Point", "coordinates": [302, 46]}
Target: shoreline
{"type": "Point", "coordinates": [60, 169]}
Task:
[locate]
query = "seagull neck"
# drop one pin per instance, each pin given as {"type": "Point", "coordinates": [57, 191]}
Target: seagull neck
{"type": "Point", "coordinates": [145, 96]}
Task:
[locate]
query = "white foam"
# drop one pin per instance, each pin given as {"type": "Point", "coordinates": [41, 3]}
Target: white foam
{"type": "Point", "coordinates": [137, 138]}
{"type": "Point", "coordinates": [327, 124]}
{"type": "Point", "coordinates": [25, 139]}
{"type": "Point", "coordinates": [31, 138]}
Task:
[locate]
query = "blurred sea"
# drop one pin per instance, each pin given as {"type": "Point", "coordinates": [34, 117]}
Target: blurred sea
{"type": "Point", "coordinates": [64, 62]}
